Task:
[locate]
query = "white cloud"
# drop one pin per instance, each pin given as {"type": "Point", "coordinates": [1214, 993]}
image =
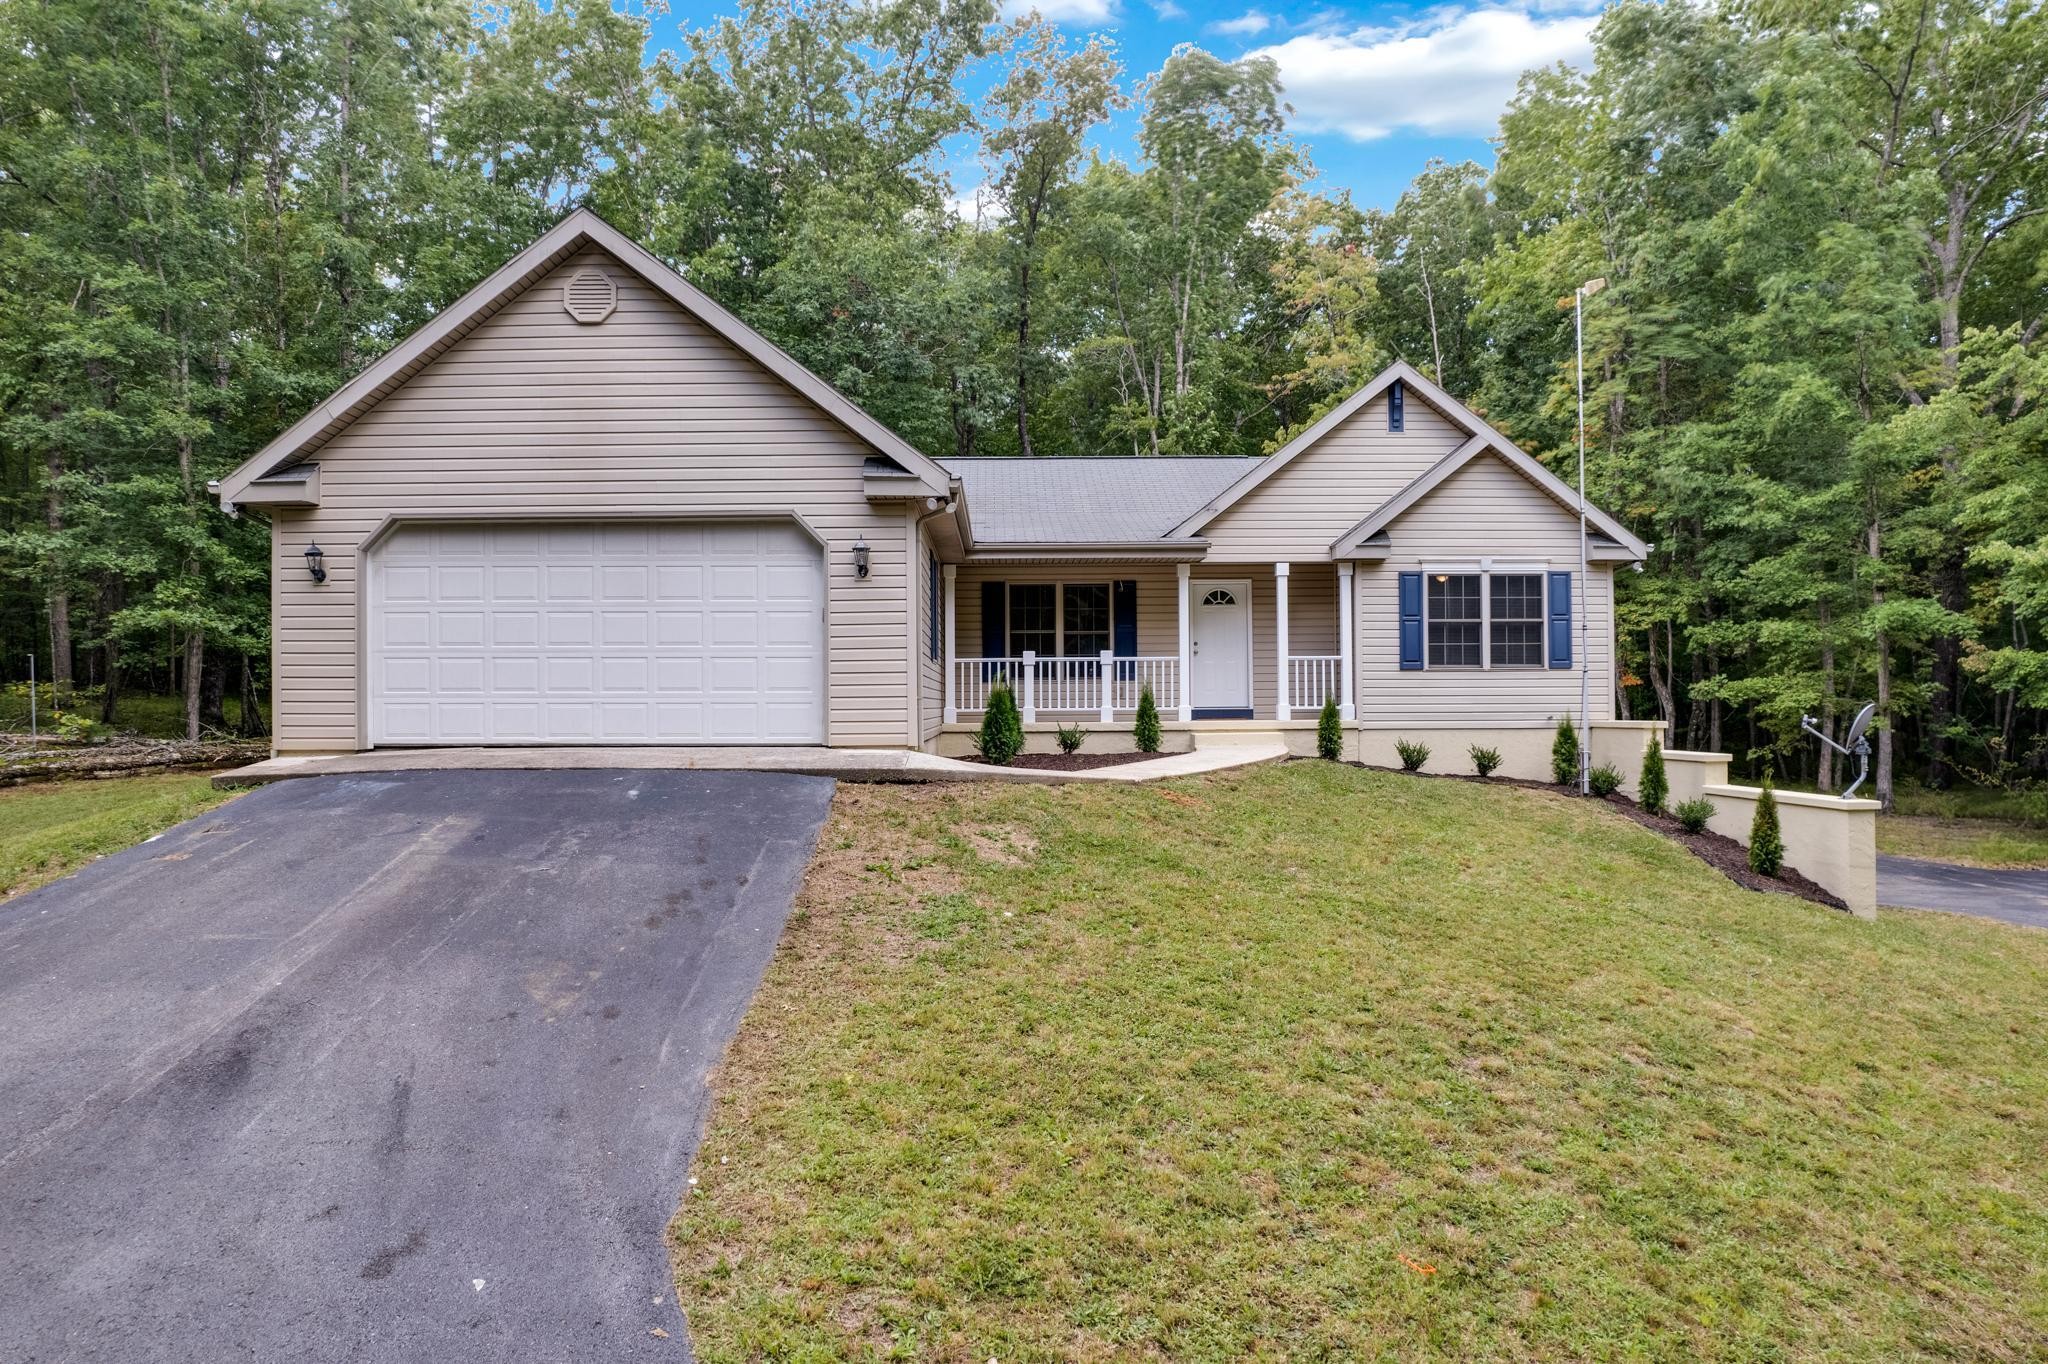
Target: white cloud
{"type": "Point", "coordinates": [1245, 25]}
{"type": "Point", "coordinates": [1168, 11]}
{"type": "Point", "coordinates": [1452, 72]}
{"type": "Point", "coordinates": [1079, 13]}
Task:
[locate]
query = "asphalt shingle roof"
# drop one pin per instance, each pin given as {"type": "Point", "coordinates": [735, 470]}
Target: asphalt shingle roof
{"type": "Point", "coordinates": [1120, 500]}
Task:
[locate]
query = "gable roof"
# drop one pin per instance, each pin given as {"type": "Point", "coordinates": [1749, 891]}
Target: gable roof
{"type": "Point", "coordinates": [1488, 444]}
{"type": "Point", "coordinates": [1116, 500]}
{"type": "Point", "coordinates": [579, 229]}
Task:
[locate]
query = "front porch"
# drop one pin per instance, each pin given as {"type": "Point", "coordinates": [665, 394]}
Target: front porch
{"type": "Point", "coordinates": [1214, 642]}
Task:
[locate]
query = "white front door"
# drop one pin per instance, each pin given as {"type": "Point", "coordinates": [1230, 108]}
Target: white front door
{"type": "Point", "coordinates": [1221, 641]}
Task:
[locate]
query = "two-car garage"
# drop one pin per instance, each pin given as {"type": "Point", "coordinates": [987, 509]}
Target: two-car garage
{"type": "Point", "coordinates": [614, 632]}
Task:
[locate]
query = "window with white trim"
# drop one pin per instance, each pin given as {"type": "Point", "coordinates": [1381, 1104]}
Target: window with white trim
{"type": "Point", "coordinates": [1034, 618]}
{"type": "Point", "coordinates": [1455, 621]}
{"type": "Point", "coordinates": [1084, 619]}
{"type": "Point", "coordinates": [1515, 619]}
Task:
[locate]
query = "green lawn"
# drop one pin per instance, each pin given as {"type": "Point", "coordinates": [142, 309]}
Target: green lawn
{"type": "Point", "coordinates": [1310, 1062]}
{"type": "Point", "coordinates": [1972, 842]}
{"type": "Point", "coordinates": [51, 829]}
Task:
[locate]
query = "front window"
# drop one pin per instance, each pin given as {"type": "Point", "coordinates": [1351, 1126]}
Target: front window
{"type": "Point", "coordinates": [1517, 620]}
{"type": "Point", "coordinates": [1084, 621]}
{"type": "Point", "coordinates": [1034, 618]}
{"type": "Point", "coordinates": [1454, 620]}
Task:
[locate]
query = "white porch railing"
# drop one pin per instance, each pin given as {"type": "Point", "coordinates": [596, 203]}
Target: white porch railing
{"type": "Point", "coordinates": [1103, 684]}
{"type": "Point", "coordinates": [1313, 679]}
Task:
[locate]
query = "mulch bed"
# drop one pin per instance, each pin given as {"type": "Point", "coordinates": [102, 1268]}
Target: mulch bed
{"type": "Point", "coordinates": [1072, 762]}
{"type": "Point", "coordinates": [1718, 851]}
{"type": "Point", "coordinates": [60, 760]}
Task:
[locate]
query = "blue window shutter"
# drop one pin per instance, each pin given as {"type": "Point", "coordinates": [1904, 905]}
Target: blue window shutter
{"type": "Point", "coordinates": [1560, 620]}
{"type": "Point", "coordinates": [935, 596]}
{"type": "Point", "coordinates": [1395, 416]}
{"type": "Point", "coordinates": [995, 601]}
{"type": "Point", "coordinates": [1123, 615]}
{"type": "Point", "coordinates": [1411, 621]}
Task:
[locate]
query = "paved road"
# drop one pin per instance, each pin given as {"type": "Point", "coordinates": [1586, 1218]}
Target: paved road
{"type": "Point", "coordinates": [2018, 897]}
{"type": "Point", "coordinates": [406, 1067]}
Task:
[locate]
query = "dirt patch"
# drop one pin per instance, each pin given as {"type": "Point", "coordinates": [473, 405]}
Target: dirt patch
{"type": "Point", "coordinates": [870, 859]}
{"type": "Point", "coordinates": [1004, 843]}
{"type": "Point", "coordinates": [1072, 762]}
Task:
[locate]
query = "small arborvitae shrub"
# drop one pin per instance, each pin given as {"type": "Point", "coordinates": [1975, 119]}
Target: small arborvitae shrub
{"type": "Point", "coordinates": [1002, 727]}
{"type": "Point", "coordinates": [1604, 780]}
{"type": "Point", "coordinates": [1694, 814]}
{"type": "Point", "coordinates": [1413, 754]}
{"type": "Point", "coordinates": [1329, 732]}
{"type": "Point", "coordinates": [1766, 840]}
{"type": "Point", "coordinates": [1485, 761]}
{"type": "Point", "coordinates": [1071, 738]}
{"type": "Point", "coordinates": [1146, 731]}
{"type": "Point", "coordinates": [1564, 755]}
{"type": "Point", "coordinates": [1654, 788]}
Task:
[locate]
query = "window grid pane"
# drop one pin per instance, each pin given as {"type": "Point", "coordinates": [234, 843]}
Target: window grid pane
{"type": "Point", "coordinates": [1454, 620]}
{"type": "Point", "coordinates": [1087, 618]}
{"type": "Point", "coordinates": [1517, 625]}
{"type": "Point", "coordinates": [1033, 623]}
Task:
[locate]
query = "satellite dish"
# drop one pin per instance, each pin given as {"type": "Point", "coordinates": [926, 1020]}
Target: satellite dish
{"type": "Point", "coordinates": [1861, 723]}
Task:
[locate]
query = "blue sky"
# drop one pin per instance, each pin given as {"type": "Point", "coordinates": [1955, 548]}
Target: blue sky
{"type": "Point", "coordinates": [1377, 89]}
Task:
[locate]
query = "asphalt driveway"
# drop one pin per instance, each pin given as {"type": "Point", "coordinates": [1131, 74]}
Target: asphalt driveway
{"type": "Point", "coordinates": [2017, 897]}
{"type": "Point", "coordinates": [402, 1067]}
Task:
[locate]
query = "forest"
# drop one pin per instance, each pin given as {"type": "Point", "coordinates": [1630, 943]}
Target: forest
{"type": "Point", "coordinates": [1817, 380]}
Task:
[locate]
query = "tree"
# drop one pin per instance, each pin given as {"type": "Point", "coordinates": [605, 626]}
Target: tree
{"type": "Point", "coordinates": [1035, 121]}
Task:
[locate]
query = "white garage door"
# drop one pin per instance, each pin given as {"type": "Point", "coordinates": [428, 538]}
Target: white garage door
{"type": "Point", "coordinates": [617, 633]}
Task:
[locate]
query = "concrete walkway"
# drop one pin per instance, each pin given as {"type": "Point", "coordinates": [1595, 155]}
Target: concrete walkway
{"type": "Point", "coordinates": [2016, 897]}
{"type": "Point", "coordinates": [847, 764]}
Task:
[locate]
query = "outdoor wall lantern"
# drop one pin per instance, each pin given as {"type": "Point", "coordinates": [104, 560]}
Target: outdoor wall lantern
{"type": "Point", "coordinates": [860, 557]}
{"type": "Point", "coordinates": [313, 558]}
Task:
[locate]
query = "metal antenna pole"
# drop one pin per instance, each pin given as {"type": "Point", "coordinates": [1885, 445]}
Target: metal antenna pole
{"type": "Point", "coordinates": [1585, 675]}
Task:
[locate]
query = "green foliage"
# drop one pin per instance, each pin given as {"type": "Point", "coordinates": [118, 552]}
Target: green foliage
{"type": "Point", "coordinates": [1604, 780]}
{"type": "Point", "coordinates": [1485, 761]}
{"type": "Point", "coordinates": [1146, 730]}
{"type": "Point", "coordinates": [1329, 731]}
{"type": "Point", "coordinates": [1071, 737]}
{"type": "Point", "coordinates": [1653, 788]}
{"type": "Point", "coordinates": [1564, 754]}
{"type": "Point", "coordinates": [1413, 754]}
{"type": "Point", "coordinates": [1766, 840]}
{"type": "Point", "coordinates": [1001, 736]}
{"type": "Point", "coordinates": [1692, 815]}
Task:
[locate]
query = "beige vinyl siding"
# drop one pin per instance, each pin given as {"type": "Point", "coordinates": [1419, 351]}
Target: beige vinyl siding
{"type": "Point", "coordinates": [1303, 507]}
{"type": "Point", "coordinates": [1485, 510]}
{"type": "Point", "coordinates": [533, 414]}
{"type": "Point", "coordinates": [931, 672]}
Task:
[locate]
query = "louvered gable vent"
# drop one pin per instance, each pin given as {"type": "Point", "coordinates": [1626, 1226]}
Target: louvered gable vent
{"type": "Point", "coordinates": [590, 296]}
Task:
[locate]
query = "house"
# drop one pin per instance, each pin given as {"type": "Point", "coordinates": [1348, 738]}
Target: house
{"type": "Point", "coordinates": [587, 505]}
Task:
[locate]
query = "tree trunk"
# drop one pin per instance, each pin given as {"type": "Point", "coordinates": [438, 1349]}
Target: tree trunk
{"type": "Point", "coordinates": [195, 676]}
{"type": "Point", "coordinates": [60, 597]}
{"type": "Point", "coordinates": [213, 691]}
{"type": "Point", "coordinates": [253, 725]}
{"type": "Point", "coordinates": [1944, 702]}
{"type": "Point", "coordinates": [110, 650]}
{"type": "Point", "coordinates": [1883, 784]}
{"type": "Point", "coordinates": [1826, 756]}
{"type": "Point", "coordinates": [1660, 682]}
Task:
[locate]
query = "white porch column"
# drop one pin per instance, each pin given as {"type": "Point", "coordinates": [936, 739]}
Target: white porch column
{"type": "Point", "coordinates": [1347, 642]}
{"type": "Point", "coordinates": [1187, 653]}
{"type": "Point", "coordinates": [950, 572]}
{"type": "Point", "coordinates": [1028, 700]}
{"type": "Point", "coordinates": [1108, 681]}
{"type": "Point", "coordinates": [1281, 710]}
